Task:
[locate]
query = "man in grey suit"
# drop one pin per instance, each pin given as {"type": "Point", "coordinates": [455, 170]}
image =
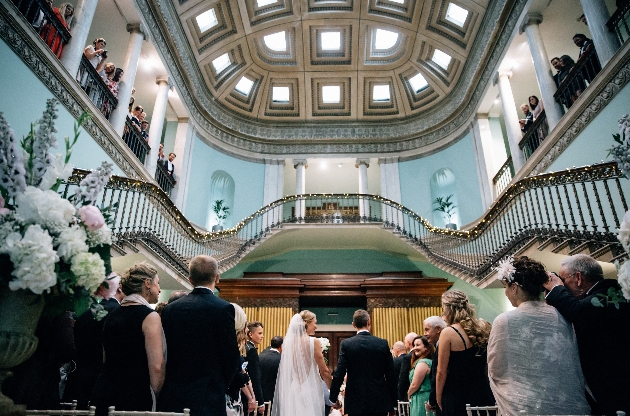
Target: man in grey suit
{"type": "Point", "coordinates": [371, 383]}
{"type": "Point", "coordinates": [203, 355]}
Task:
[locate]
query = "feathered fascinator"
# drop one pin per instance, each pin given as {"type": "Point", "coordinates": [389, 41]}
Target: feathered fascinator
{"type": "Point", "coordinates": [505, 270]}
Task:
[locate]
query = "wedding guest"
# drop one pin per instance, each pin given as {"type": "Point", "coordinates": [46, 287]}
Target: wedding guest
{"type": "Point", "coordinates": [144, 125]}
{"type": "Point", "coordinates": [405, 367]}
{"type": "Point", "coordinates": [135, 120]}
{"type": "Point", "coordinates": [240, 394]}
{"type": "Point", "coordinates": [433, 327]}
{"type": "Point", "coordinates": [461, 374]}
{"type": "Point", "coordinates": [161, 157]}
{"type": "Point", "coordinates": [269, 364]}
{"type": "Point", "coordinates": [203, 355]}
{"type": "Point", "coordinates": [532, 383]}
{"type": "Point", "coordinates": [133, 372]}
{"type": "Point", "coordinates": [575, 292]}
{"type": "Point", "coordinates": [160, 307]}
{"type": "Point", "coordinates": [557, 64]}
{"type": "Point", "coordinates": [88, 338]}
{"type": "Point", "coordinates": [177, 294]}
{"type": "Point", "coordinates": [528, 120]}
{"type": "Point", "coordinates": [537, 108]}
{"type": "Point", "coordinates": [255, 335]}
{"type": "Point", "coordinates": [96, 54]}
{"type": "Point", "coordinates": [420, 383]}
{"type": "Point", "coordinates": [65, 16]}
{"type": "Point", "coordinates": [397, 351]}
{"type": "Point", "coordinates": [593, 67]}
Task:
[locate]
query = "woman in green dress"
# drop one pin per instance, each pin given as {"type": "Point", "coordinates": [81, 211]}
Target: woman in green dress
{"type": "Point", "coordinates": [420, 387]}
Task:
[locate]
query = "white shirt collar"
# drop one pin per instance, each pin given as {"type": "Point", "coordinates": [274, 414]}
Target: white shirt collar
{"type": "Point", "coordinates": [274, 349]}
{"type": "Point", "coordinates": [363, 330]}
{"type": "Point", "coordinates": [592, 287]}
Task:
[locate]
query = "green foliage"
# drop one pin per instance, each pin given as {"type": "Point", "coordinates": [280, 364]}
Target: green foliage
{"type": "Point", "coordinates": [612, 297]}
{"type": "Point", "coordinates": [445, 206]}
{"type": "Point", "coordinates": [221, 211]}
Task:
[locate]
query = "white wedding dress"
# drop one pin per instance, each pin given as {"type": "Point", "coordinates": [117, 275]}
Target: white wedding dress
{"type": "Point", "coordinates": [299, 386]}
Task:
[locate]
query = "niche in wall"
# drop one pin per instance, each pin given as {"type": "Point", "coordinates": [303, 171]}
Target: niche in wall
{"type": "Point", "coordinates": [221, 187]}
{"type": "Point", "coordinates": [442, 185]}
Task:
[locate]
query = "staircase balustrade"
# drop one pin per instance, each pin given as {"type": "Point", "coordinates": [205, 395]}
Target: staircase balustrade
{"type": "Point", "coordinates": [582, 205]}
{"type": "Point", "coordinates": [134, 140]}
{"type": "Point", "coordinates": [534, 136]}
{"type": "Point", "coordinates": [503, 177]}
{"type": "Point", "coordinates": [44, 21]}
{"type": "Point", "coordinates": [580, 77]}
{"type": "Point", "coordinates": [164, 179]}
{"type": "Point", "coordinates": [96, 89]}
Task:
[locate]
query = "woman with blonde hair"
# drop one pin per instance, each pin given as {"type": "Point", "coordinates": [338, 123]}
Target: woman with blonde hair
{"type": "Point", "coordinates": [299, 389]}
{"type": "Point", "coordinates": [461, 373]}
{"type": "Point", "coordinates": [133, 373]}
{"type": "Point", "coordinates": [240, 390]}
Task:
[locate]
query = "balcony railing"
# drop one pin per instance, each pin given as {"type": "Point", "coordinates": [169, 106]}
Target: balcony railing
{"type": "Point", "coordinates": [535, 134]}
{"type": "Point", "coordinates": [582, 205]}
{"type": "Point", "coordinates": [578, 79]}
{"type": "Point", "coordinates": [503, 177]}
{"type": "Point", "coordinates": [164, 179]}
{"type": "Point", "coordinates": [94, 86]}
{"type": "Point", "coordinates": [620, 22]}
{"type": "Point", "coordinates": [135, 141]}
{"type": "Point", "coordinates": [41, 16]}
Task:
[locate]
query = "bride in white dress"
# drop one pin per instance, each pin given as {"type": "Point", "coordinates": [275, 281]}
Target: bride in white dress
{"type": "Point", "coordinates": [299, 390]}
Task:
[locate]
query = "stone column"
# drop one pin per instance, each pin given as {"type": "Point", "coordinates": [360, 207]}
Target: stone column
{"type": "Point", "coordinates": [364, 205]}
{"type": "Point", "coordinates": [184, 143]}
{"type": "Point", "coordinates": [73, 51]}
{"type": "Point", "coordinates": [484, 176]}
{"type": "Point", "coordinates": [130, 66]}
{"type": "Point", "coordinates": [273, 189]}
{"type": "Point", "coordinates": [157, 123]}
{"type": "Point", "coordinates": [553, 109]}
{"type": "Point", "coordinates": [300, 185]}
{"type": "Point", "coordinates": [511, 118]}
{"type": "Point", "coordinates": [390, 189]}
{"type": "Point", "coordinates": [606, 42]}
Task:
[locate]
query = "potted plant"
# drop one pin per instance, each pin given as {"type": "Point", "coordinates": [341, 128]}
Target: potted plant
{"type": "Point", "coordinates": [446, 207]}
{"type": "Point", "coordinates": [222, 212]}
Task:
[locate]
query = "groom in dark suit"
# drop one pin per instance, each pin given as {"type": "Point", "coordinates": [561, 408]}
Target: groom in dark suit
{"type": "Point", "coordinates": [203, 355]}
{"type": "Point", "coordinates": [371, 383]}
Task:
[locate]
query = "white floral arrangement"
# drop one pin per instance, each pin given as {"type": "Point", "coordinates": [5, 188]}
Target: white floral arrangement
{"type": "Point", "coordinates": [505, 270]}
{"type": "Point", "coordinates": [623, 271]}
{"type": "Point", "coordinates": [621, 153]}
{"type": "Point", "coordinates": [325, 343]}
{"type": "Point", "coordinates": [50, 245]}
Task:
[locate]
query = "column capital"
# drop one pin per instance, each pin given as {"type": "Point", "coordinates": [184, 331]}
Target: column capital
{"type": "Point", "coordinates": [138, 28]}
{"type": "Point", "coordinates": [275, 162]}
{"type": "Point", "coordinates": [163, 80]}
{"type": "Point", "coordinates": [501, 74]}
{"type": "Point", "coordinates": [183, 119]}
{"type": "Point", "coordinates": [385, 160]}
{"type": "Point", "coordinates": [365, 162]}
{"type": "Point", "coordinates": [298, 162]}
{"type": "Point", "coordinates": [530, 19]}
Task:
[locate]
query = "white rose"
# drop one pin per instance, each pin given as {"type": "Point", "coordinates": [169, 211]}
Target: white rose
{"type": "Point", "coordinates": [44, 207]}
{"type": "Point", "coordinates": [33, 260]}
{"type": "Point", "coordinates": [99, 237]}
{"type": "Point", "coordinates": [89, 269]}
{"type": "Point", "coordinates": [624, 280]}
{"type": "Point", "coordinates": [71, 241]}
{"type": "Point", "coordinates": [57, 170]}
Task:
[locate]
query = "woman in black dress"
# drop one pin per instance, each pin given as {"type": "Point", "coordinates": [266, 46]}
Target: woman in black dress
{"type": "Point", "coordinates": [462, 376]}
{"type": "Point", "coordinates": [133, 372]}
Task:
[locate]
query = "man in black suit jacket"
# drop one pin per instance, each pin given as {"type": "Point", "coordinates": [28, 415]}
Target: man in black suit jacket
{"type": "Point", "coordinates": [203, 355]}
{"type": "Point", "coordinates": [601, 331]}
{"type": "Point", "coordinates": [269, 363]}
{"type": "Point", "coordinates": [433, 327]}
{"type": "Point", "coordinates": [405, 368]}
{"type": "Point", "coordinates": [88, 340]}
{"type": "Point", "coordinates": [371, 385]}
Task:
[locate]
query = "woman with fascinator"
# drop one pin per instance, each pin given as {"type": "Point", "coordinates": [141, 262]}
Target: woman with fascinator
{"type": "Point", "coordinates": [461, 376]}
{"type": "Point", "coordinates": [533, 361]}
{"type": "Point", "coordinates": [299, 389]}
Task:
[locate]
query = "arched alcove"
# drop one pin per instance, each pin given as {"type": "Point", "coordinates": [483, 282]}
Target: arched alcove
{"type": "Point", "coordinates": [221, 187]}
{"type": "Point", "coordinates": [442, 186]}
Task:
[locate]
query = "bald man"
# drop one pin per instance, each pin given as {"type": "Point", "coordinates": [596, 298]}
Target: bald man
{"type": "Point", "coordinates": [398, 351]}
{"type": "Point", "coordinates": [405, 367]}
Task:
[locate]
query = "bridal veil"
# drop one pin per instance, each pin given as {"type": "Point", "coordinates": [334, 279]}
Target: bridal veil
{"type": "Point", "coordinates": [298, 386]}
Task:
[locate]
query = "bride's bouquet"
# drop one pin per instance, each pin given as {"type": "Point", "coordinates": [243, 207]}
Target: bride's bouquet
{"type": "Point", "coordinates": [325, 343]}
{"type": "Point", "coordinates": [50, 245]}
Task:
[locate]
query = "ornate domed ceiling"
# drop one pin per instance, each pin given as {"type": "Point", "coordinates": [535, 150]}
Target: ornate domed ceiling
{"type": "Point", "coordinates": [330, 76]}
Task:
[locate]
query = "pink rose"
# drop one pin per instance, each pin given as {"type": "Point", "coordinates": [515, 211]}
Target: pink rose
{"type": "Point", "coordinates": [91, 217]}
{"type": "Point", "coordinates": [3, 210]}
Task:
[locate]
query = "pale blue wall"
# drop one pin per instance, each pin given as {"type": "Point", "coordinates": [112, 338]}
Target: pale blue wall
{"type": "Point", "coordinates": [248, 177]}
{"type": "Point", "coordinates": [415, 176]}
{"type": "Point", "coordinates": [592, 144]}
{"type": "Point", "coordinates": [168, 136]}
{"type": "Point", "coordinates": [22, 101]}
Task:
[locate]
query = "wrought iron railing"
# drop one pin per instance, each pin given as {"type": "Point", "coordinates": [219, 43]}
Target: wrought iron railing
{"type": "Point", "coordinates": [619, 22]}
{"type": "Point", "coordinates": [580, 77]}
{"type": "Point", "coordinates": [96, 89]}
{"type": "Point", "coordinates": [164, 179]}
{"type": "Point", "coordinates": [535, 134]}
{"type": "Point", "coordinates": [503, 177]}
{"type": "Point", "coordinates": [134, 140]}
{"type": "Point", "coordinates": [41, 16]}
{"type": "Point", "coordinates": [582, 205]}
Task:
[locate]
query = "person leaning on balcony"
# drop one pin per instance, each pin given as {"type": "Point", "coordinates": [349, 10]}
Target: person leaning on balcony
{"type": "Point", "coordinates": [135, 117]}
{"type": "Point", "coordinates": [144, 125]}
{"type": "Point", "coordinates": [585, 44]}
{"type": "Point", "coordinates": [170, 167]}
{"type": "Point", "coordinates": [577, 292]}
{"type": "Point", "coordinates": [537, 108]}
{"type": "Point", "coordinates": [65, 15]}
{"type": "Point", "coordinates": [528, 120]}
{"type": "Point", "coordinates": [96, 54]}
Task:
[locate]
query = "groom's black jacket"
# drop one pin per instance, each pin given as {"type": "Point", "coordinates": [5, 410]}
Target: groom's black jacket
{"type": "Point", "coordinates": [371, 384]}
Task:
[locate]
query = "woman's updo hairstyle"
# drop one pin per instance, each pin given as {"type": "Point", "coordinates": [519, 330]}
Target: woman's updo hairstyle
{"type": "Point", "coordinates": [307, 317]}
{"type": "Point", "coordinates": [530, 275]}
{"type": "Point", "coordinates": [459, 310]}
{"type": "Point", "coordinates": [240, 322]}
{"type": "Point", "coordinates": [133, 278]}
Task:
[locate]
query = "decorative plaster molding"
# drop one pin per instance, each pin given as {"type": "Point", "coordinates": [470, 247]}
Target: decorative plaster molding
{"type": "Point", "coordinates": [416, 302]}
{"type": "Point", "coordinates": [26, 44]}
{"type": "Point", "coordinates": [234, 134]}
